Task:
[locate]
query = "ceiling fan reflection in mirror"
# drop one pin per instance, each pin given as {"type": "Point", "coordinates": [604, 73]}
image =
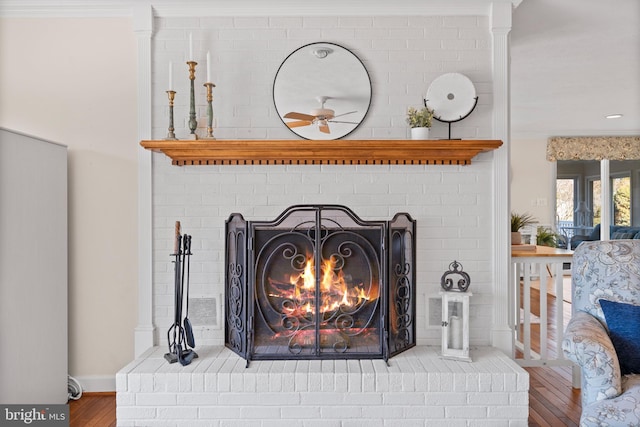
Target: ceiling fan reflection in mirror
{"type": "Point", "coordinates": [320, 116]}
{"type": "Point", "coordinates": [317, 73]}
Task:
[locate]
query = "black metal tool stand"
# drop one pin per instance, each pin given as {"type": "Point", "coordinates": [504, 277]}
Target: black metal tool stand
{"type": "Point", "coordinates": [180, 348]}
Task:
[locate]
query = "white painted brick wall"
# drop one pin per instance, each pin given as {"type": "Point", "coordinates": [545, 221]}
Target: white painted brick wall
{"type": "Point", "coordinates": [398, 396]}
{"type": "Point", "coordinates": [403, 54]}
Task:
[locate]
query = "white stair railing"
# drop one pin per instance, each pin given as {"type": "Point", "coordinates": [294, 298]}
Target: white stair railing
{"type": "Point", "coordinates": [545, 264]}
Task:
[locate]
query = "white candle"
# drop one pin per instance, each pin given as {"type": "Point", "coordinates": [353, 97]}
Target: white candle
{"type": "Point", "coordinates": [455, 323]}
{"type": "Point", "coordinates": [170, 75]}
{"type": "Point", "coordinates": [208, 67]}
{"type": "Point", "coordinates": [190, 46]}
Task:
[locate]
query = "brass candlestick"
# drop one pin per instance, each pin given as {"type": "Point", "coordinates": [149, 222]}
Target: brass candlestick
{"type": "Point", "coordinates": [171, 134]}
{"type": "Point", "coordinates": [209, 87]}
{"type": "Point", "coordinates": [193, 123]}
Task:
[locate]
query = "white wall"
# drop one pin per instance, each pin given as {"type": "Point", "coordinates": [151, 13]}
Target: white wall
{"type": "Point", "coordinates": [532, 177]}
{"type": "Point", "coordinates": [74, 81]}
{"type": "Point", "coordinates": [403, 54]}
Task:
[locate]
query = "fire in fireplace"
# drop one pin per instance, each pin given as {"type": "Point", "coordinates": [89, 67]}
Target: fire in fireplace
{"type": "Point", "coordinates": [318, 282]}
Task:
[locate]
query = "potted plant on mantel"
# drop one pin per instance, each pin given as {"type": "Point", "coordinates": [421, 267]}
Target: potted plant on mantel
{"type": "Point", "coordinates": [519, 221]}
{"type": "Point", "coordinates": [419, 121]}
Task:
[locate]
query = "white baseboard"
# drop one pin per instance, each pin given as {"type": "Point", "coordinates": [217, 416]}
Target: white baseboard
{"type": "Point", "coordinates": [97, 383]}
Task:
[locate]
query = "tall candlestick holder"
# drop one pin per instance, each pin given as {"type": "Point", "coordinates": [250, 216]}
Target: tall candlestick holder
{"type": "Point", "coordinates": [170, 133]}
{"type": "Point", "coordinates": [209, 87]}
{"type": "Point", "coordinates": [193, 123]}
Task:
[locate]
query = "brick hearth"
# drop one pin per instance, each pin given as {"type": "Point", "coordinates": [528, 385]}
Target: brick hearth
{"type": "Point", "coordinates": [418, 388]}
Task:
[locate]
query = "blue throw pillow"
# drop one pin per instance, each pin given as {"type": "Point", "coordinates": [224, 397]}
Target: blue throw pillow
{"type": "Point", "coordinates": [623, 322]}
{"type": "Point", "coordinates": [595, 233]}
{"type": "Point", "coordinates": [622, 235]}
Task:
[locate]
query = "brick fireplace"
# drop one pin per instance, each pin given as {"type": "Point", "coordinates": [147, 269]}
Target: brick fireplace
{"type": "Point", "coordinates": [459, 209]}
{"type": "Point", "coordinates": [450, 205]}
{"type": "Point", "coordinates": [459, 212]}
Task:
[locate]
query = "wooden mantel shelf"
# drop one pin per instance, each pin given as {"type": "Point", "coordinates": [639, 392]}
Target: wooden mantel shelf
{"type": "Point", "coordinates": [318, 152]}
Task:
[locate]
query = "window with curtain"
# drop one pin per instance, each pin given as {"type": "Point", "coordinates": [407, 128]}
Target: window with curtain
{"type": "Point", "coordinates": [583, 160]}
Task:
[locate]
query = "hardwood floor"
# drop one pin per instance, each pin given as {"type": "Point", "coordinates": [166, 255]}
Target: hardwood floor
{"type": "Point", "coordinates": [552, 400]}
{"type": "Point", "coordinates": [93, 410]}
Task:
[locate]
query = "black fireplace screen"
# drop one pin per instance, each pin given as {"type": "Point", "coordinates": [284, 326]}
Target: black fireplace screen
{"type": "Point", "coordinates": [320, 283]}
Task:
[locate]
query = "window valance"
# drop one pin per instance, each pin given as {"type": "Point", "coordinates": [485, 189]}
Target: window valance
{"type": "Point", "coordinates": [593, 148]}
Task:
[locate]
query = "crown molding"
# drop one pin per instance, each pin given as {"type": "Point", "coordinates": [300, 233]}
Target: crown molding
{"type": "Point", "coordinates": [175, 8]}
{"type": "Point", "coordinates": [65, 8]}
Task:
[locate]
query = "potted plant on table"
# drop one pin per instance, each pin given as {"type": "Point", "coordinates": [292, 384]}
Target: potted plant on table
{"type": "Point", "coordinates": [547, 237]}
{"type": "Point", "coordinates": [419, 121]}
{"type": "Point", "coordinates": [519, 221]}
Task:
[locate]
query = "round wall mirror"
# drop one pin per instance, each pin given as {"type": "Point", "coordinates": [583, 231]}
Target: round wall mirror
{"type": "Point", "coordinates": [322, 91]}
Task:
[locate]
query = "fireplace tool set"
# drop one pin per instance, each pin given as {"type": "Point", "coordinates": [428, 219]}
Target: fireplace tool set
{"type": "Point", "coordinates": [180, 334]}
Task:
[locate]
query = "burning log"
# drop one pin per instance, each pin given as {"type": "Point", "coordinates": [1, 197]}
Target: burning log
{"type": "Point", "coordinates": [298, 295]}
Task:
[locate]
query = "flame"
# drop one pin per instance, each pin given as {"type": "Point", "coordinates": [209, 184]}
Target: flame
{"type": "Point", "coordinates": [307, 276]}
{"type": "Point", "coordinates": [335, 290]}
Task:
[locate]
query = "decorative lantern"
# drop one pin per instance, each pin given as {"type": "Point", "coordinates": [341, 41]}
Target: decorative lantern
{"type": "Point", "coordinates": [455, 325]}
{"type": "Point", "coordinates": [455, 313]}
{"type": "Point", "coordinates": [446, 281]}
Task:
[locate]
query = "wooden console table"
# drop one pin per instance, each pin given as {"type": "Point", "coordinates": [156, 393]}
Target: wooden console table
{"type": "Point", "coordinates": [318, 152]}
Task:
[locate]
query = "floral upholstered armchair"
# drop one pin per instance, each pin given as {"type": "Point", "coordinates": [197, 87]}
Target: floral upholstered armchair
{"type": "Point", "coordinates": [603, 335]}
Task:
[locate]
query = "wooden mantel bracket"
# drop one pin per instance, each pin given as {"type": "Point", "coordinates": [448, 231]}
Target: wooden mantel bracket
{"type": "Point", "coordinates": [321, 152]}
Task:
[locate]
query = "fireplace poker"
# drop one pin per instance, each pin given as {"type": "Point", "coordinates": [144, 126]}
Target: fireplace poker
{"type": "Point", "coordinates": [173, 332]}
{"type": "Point", "coordinates": [185, 354]}
{"type": "Point", "coordinates": [188, 329]}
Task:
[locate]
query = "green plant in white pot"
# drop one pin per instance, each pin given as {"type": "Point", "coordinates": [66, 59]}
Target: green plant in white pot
{"type": "Point", "coordinates": [419, 120]}
{"type": "Point", "coordinates": [518, 222]}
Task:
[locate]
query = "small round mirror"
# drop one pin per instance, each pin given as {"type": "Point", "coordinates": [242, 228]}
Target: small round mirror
{"type": "Point", "coordinates": [322, 91]}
